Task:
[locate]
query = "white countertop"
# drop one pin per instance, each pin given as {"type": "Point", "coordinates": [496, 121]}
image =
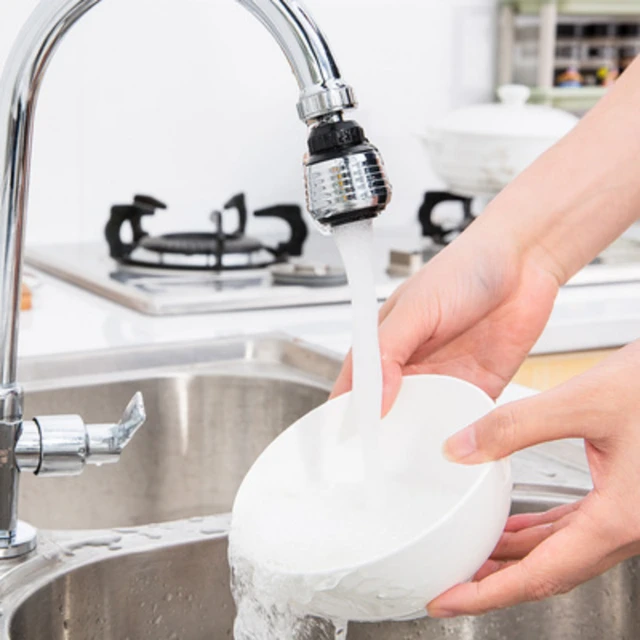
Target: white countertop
{"type": "Point", "coordinates": [68, 319]}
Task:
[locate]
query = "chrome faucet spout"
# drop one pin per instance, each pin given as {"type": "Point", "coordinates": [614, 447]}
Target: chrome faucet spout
{"type": "Point", "coordinates": [347, 182]}
{"type": "Point", "coordinates": [322, 91]}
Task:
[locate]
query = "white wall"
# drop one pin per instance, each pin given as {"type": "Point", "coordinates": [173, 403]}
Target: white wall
{"type": "Point", "coordinates": [192, 101]}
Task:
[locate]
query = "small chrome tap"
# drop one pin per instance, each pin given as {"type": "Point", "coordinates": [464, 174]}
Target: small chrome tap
{"type": "Point", "coordinates": [62, 445]}
{"type": "Point", "coordinates": [345, 178]}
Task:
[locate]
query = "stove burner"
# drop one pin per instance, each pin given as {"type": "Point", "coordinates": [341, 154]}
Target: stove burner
{"type": "Point", "coordinates": [440, 235]}
{"type": "Point", "coordinates": [192, 244]}
{"type": "Point", "coordinates": [404, 263]}
{"type": "Point", "coordinates": [308, 275]}
{"type": "Point", "coordinates": [216, 251]}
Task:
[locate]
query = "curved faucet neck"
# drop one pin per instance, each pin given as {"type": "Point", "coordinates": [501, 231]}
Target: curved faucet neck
{"type": "Point", "coordinates": [322, 94]}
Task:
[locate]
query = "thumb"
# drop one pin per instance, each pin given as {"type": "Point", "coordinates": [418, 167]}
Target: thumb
{"type": "Point", "coordinates": [569, 411]}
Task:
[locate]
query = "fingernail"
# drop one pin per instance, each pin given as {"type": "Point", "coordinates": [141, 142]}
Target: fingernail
{"type": "Point", "coordinates": [461, 446]}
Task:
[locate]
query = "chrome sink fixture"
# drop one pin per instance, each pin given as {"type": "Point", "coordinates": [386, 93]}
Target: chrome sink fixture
{"type": "Point", "coordinates": [345, 178]}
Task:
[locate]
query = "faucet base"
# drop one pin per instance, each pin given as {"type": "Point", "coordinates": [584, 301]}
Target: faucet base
{"type": "Point", "coordinates": [24, 541]}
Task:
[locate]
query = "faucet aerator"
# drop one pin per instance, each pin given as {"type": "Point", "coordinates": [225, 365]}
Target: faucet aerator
{"type": "Point", "coordinates": [346, 180]}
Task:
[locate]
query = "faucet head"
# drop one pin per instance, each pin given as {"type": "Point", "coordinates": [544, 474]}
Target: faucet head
{"type": "Point", "coordinates": [346, 180]}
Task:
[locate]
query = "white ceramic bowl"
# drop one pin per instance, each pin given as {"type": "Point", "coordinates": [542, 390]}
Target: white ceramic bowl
{"type": "Point", "coordinates": [440, 520]}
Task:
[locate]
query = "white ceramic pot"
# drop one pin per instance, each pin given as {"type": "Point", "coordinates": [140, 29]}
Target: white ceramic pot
{"type": "Point", "coordinates": [478, 150]}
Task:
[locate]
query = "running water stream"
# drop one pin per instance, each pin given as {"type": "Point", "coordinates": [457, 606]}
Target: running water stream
{"type": "Point", "coordinates": [272, 609]}
{"type": "Point", "coordinates": [355, 242]}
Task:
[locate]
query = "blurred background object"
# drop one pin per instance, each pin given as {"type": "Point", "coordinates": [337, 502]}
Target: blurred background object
{"type": "Point", "coordinates": [568, 51]}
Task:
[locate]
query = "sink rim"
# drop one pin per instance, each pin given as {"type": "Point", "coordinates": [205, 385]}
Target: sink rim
{"type": "Point", "coordinates": [309, 361]}
{"type": "Point", "coordinates": [21, 579]}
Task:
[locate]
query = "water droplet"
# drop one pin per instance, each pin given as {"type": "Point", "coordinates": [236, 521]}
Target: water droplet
{"type": "Point", "coordinates": [105, 541]}
{"type": "Point", "coordinates": [151, 535]}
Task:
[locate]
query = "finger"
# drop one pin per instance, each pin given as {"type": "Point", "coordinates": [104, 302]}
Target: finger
{"type": "Point", "coordinates": [526, 520]}
{"type": "Point", "coordinates": [573, 555]}
{"type": "Point", "coordinates": [391, 302]}
{"type": "Point", "coordinates": [573, 410]}
{"type": "Point", "coordinates": [517, 543]}
{"type": "Point", "coordinates": [411, 323]}
{"type": "Point", "coordinates": [515, 546]}
{"type": "Point", "coordinates": [343, 382]}
{"type": "Point", "coordinates": [392, 374]}
{"type": "Point", "coordinates": [490, 567]}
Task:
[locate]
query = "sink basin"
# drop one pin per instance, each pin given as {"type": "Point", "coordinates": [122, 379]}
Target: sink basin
{"type": "Point", "coordinates": [181, 591]}
{"type": "Point", "coordinates": [212, 409]}
{"type": "Point", "coordinates": [102, 571]}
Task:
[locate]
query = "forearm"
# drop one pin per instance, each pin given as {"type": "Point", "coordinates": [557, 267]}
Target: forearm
{"type": "Point", "coordinates": [580, 195]}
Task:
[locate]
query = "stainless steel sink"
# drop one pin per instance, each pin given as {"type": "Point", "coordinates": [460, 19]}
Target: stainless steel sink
{"type": "Point", "coordinates": [163, 589]}
{"type": "Point", "coordinates": [212, 408]}
{"type": "Point", "coordinates": [104, 572]}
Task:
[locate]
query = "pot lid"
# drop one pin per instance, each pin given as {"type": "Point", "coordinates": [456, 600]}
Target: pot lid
{"type": "Point", "coordinates": [512, 116]}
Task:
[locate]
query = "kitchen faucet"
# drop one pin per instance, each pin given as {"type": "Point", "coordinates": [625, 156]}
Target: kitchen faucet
{"type": "Point", "coordinates": [345, 182]}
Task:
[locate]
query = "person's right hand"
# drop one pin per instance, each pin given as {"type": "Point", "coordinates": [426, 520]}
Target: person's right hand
{"type": "Point", "coordinates": [473, 312]}
{"type": "Point", "coordinates": [546, 554]}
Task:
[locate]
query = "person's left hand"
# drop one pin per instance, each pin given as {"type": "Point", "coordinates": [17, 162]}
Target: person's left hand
{"type": "Point", "coordinates": [547, 554]}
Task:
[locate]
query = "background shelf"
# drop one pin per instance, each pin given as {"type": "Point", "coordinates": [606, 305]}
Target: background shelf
{"type": "Point", "coordinates": [579, 7]}
{"type": "Point", "coordinates": [570, 99]}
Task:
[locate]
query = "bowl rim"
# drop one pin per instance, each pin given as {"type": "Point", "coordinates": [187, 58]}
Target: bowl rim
{"type": "Point", "coordinates": [486, 469]}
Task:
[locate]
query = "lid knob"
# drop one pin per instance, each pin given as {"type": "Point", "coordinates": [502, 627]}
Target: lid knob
{"type": "Point", "coordinates": [514, 94]}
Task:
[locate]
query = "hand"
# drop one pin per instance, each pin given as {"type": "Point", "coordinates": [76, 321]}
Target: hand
{"type": "Point", "coordinates": [546, 554]}
{"type": "Point", "coordinates": [473, 312]}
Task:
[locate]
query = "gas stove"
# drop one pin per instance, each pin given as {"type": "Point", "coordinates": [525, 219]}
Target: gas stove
{"type": "Point", "coordinates": [220, 250]}
{"type": "Point", "coordinates": [227, 270]}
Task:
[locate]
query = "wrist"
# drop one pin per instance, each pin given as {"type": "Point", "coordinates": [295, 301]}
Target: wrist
{"type": "Point", "coordinates": [529, 236]}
